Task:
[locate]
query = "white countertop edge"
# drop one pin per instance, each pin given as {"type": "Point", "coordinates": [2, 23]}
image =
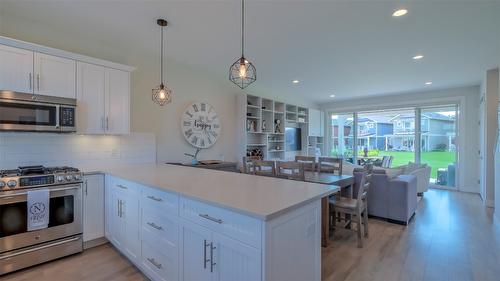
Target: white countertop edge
{"type": "Point", "coordinates": [267, 217]}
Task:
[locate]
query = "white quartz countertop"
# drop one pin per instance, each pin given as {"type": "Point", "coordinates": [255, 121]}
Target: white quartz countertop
{"type": "Point", "coordinates": [256, 196]}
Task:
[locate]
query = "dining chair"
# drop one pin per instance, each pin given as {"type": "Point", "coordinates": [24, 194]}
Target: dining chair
{"type": "Point", "coordinates": [386, 161]}
{"type": "Point", "coordinates": [290, 170]}
{"type": "Point", "coordinates": [247, 166]}
{"type": "Point", "coordinates": [330, 165]}
{"type": "Point", "coordinates": [309, 162]}
{"type": "Point", "coordinates": [264, 168]}
{"type": "Point", "coordinates": [355, 210]}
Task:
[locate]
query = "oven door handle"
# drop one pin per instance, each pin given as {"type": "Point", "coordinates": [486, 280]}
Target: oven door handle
{"type": "Point", "coordinates": [39, 248]}
{"type": "Point", "coordinates": [26, 193]}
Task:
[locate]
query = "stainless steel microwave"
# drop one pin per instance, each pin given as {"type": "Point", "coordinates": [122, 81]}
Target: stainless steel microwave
{"type": "Point", "coordinates": [36, 113]}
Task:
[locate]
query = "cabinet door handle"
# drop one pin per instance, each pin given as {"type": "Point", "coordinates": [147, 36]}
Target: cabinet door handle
{"type": "Point", "coordinates": [102, 123]}
{"type": "Point", "coordinates": [107, 123]}
{"type": "Point", "coordinates": [206, 216]}
{"type": "Point", "coordinates": [122, 186]}
{"type": "Point", "coordinates": [118, 207]}
{"type": "Point", "coordinates": [86, 188]}
{"type": "Point", "coordinates": [155, 199]}
{"type": "Point", "coordinates": [153, 225]}
{"type": "Point", "coordinates": [38, 81]}
{"type": "Point", "coordinates": [156, 264]}
{"type": "Point", "coordinates": [31, 81]}
{"type": "Point", "coordinates": [121, 208]}
{"type": "Point", "coordinates": [205, 260]}
{"type": "Point", "coordinates": [212, 263]}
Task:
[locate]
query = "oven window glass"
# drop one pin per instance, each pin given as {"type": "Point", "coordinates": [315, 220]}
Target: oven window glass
{"type": "Point", "coordinates": [27, 114]}
{"type": "Point", "coordinates": [14, 220]}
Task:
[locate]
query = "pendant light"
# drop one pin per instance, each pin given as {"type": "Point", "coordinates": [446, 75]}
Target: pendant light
{"type": "Point", "coordinates": [162, 94]}
{"type": "Point", "coordinates": [242, 72]}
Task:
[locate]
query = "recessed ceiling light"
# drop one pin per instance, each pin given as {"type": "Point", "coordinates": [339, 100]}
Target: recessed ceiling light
{"type": "Point", "coordinates": [428, 83]}
{"type": "Point", "coordinates": [399, 13]}
{"type": "Point", "coordinates": [332, 96]}
{"type": "Point", "coordinates": [295, 81]}
{"type": "Point", "coordinates": [418, 57]}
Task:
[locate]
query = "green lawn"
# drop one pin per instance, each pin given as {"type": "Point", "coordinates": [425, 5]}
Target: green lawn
{"type": "Point", "coordinates": [434, 159]}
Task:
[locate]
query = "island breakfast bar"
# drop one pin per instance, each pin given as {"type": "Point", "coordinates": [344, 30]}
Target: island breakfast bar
{"type": "Point", "coordinates": [180, 223]}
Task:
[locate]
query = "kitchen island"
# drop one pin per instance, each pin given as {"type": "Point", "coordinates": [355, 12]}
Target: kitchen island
{"type": "Point", "coordinates": [180, 223]}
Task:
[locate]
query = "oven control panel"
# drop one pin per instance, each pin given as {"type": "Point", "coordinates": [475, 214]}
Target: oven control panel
{"type": "Point", "coordinates": [34, 181]}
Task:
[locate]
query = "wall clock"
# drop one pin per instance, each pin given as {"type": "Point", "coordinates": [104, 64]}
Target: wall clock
{"type": "Point", "coordinates": [200, 125]}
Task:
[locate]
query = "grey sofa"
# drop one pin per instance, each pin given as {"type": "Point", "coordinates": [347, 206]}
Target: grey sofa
{"type": "Point", "coordinates": [394, 199]}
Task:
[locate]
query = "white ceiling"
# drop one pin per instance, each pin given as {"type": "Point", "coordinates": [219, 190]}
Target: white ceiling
{"type": "Point", "coordinates": [347, 48]}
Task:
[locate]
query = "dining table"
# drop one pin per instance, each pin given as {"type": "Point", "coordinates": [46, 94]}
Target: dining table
{"type": "Point", "coordinates": [345, 182]}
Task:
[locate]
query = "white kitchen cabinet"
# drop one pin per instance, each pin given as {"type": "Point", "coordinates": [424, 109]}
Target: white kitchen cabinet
{"type": "Point", "coordinates": [103, 96]}
{"type": "Point", "coordinates": [234, 260]}
{"type": "Point", "coordinates": [93, 207]}
{"type": "Point", "coordinates": [90, 96]}
{"type": "Point", "coordinates": [316, 123]}
{"type": "Point", "coordinates": [16, 69]}
{"type": "Point", "coordinates": [207, 255]}
{"type": "Point", "coordinates": [123, 217]}
{"type": "Point", "coordinates": [195, 252]}
{"type": "Point", "coordinates": [117, 101]}
{"type": "Point", "coordinates": [54, 76]}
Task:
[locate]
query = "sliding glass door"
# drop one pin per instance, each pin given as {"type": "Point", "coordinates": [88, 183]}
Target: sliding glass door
{"type": "Point", "coordinates": [342, 132]}
{"type": "Point", "coordinates": [423, 135]}
{"type": "Point", "coordinates": [438, 147]}
{"type": "Point", "coordinates": [388, 133]}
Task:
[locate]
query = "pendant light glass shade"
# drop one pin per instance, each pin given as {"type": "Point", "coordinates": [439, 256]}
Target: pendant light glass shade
{"type": "Point", "coordinates": [161, 94]}
{"type": "Point", "coordinates": [242, 72]}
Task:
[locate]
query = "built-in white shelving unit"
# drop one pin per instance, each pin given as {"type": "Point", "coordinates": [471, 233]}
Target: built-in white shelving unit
{"type": "Point", "coordinates": [263, 127]}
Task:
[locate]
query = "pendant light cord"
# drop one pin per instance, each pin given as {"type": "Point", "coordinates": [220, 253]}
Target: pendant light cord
{"type": "Point", "coordinates": [242, 27]}
{"type": "Point", "coordinates": [161, 57]}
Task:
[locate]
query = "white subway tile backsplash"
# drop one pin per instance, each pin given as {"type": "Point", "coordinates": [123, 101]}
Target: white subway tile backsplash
{"type": "Point", "coordinates": [20, 149]}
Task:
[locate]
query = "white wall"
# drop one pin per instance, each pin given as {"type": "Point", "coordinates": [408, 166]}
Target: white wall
{"type": "Point", "coordinates": [468, 100]}
{"type": "Point", "coordinates": [24, 149]}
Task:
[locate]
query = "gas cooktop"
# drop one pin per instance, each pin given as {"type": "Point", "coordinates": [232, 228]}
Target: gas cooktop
{"type": "Point", "coordinates": [38, 176]}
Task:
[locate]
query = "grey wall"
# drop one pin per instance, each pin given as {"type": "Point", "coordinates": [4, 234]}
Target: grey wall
{"type": "Point", "coordinates": [466, 97]}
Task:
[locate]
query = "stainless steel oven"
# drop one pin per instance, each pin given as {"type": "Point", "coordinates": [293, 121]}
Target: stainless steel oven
{"type": "Point", "coordinates": [19, 247]}
{"type": "Point", "coordinates": [36, 113]}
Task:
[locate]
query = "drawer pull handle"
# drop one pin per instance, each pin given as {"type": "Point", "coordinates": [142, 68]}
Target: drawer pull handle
{"type": "Point", "coordinates": [153, 225]}
{"type": "Point", "coordinates": [155, 199]}
{"type": "Point", "coordinates": [206, 216]}
{"type": "Point", "coordinates": [122, 186]}
{"type": "Point", "coordinates": [156, 264]}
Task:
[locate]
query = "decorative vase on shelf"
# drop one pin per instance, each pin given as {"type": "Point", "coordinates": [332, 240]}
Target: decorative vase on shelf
{"type": "Point", "coordinates": [263, 125]}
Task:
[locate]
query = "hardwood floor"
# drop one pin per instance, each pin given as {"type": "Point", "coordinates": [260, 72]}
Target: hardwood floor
{"type": "Point", "coordinates": [452, 237]}
{"type": "Point", "coordinates": [101, 263]}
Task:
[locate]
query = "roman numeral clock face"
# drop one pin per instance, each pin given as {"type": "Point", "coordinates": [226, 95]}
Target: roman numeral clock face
{"type": "Point", "coordinates": [200, 125]}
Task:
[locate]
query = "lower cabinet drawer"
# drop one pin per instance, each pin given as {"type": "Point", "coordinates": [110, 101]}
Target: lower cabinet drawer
{"type": "Point", "coordinates": [166, 201]}
{"type": "Point", "coordinates": [157, 266]}
{"type": "Point", "coordinates": [240, 227]}
{"type": "Point", "coordinates": [162, 230]}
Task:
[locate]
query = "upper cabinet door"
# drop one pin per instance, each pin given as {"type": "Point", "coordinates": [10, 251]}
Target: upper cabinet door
{"type": "Point", "coordinates": [55, 76]}
{"type": "Point", "coordinates": [314, 122]}
{"type": "Point", "coordinates": [90, 98]}
{"type": "Point", "coordinates": [16, 69]}
{"type": "Point", "coordinates": [117, 102]}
